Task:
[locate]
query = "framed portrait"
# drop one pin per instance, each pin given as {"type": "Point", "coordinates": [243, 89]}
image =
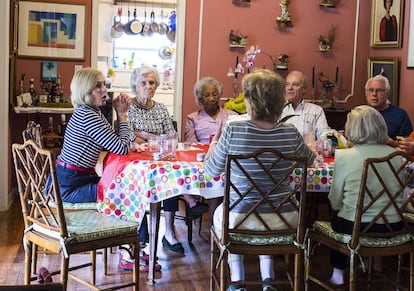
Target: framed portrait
{"type": "Point", "coordinates": [386, 23]}
{"type": "Point", "coordinates": [410, 51]}
{"type": "Point", "coordinates": [50, 30]}
{"type": "Point", "coordinates": [387, 67]}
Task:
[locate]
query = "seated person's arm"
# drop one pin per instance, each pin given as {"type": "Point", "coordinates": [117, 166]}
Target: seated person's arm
{"type": "Point", "coordinates": [189, 131]}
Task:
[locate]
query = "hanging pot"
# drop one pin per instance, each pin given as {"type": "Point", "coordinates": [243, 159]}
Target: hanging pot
{"type": "Point", "coordinates": [134, 26]}
{"type": "Point", "coordinates": [115, 33]}
{"type": "Point", "coordinates": [163, 27]}
{"type": "Point", "coordinates": [155, 28]}
{"type": "Point", "coordinates": [118, 26]}
{"type": "Point", "coordinates": [146, 26]}
{"type": "Point", "coordinates": [171, 35]}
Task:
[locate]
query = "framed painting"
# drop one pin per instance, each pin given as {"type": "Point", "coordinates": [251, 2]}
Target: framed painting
{"type": "Point", "coordinates": [410, 51]}
{"type": "Point", "coordinates": [50, 30]}
{"type": "Point", "coordinates": [386, 23]}
{"type": "Point", "coordinates": [387, 67]}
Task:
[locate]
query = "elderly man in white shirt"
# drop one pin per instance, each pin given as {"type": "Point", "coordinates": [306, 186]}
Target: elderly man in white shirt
{"type": "Point", "coordinates": [307, 117]}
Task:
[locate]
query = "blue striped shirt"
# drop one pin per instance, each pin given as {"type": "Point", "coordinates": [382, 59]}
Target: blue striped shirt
{"type": "Point", "coordinates": [87, 133]}
{"type": "Point", "coordinates": [243, 137]}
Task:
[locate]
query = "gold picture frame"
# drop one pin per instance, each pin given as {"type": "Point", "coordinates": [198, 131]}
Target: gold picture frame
{"type": "Point", "coordinates": [386, 31]}
{"type": "Point", "coordinates": [389, 67]}
{"type": "Point", "coordinates": [51, 30]}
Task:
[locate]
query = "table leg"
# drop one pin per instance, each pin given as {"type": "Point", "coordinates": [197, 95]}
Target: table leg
{"type": "Point", "coordinates": [155, 209]}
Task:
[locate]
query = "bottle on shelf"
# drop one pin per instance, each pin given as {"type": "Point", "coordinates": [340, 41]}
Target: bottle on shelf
{"type": "Point", "coordinates": [50, 135]}
{"type": "Point", "coordinates": [33, 94]}
{"type": "Point", "coordinates": [62, 125]}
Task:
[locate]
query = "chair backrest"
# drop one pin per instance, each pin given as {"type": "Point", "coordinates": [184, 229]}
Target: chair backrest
{"type": "Point", "coordinates": [34, 166]}
{"type": "Point", "coordinates": [267, 184]}
{"type": "Point", "coordinates": [381, 195]}
{"type": "Point", "coordinates": [33, 131]}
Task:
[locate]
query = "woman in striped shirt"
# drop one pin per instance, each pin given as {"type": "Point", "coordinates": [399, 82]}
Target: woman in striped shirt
{"type": "Point", "coordinates": [87, 134]}
{"type": "Point", "coordinates": [264, 92]}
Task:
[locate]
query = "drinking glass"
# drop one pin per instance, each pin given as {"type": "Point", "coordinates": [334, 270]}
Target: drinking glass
{"type": "Point", "coordinates": [153, 145]}
{"type": "Point", "coordinates": [171, 147]}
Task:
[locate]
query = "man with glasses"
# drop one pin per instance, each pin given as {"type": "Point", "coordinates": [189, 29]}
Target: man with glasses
{"type": "Point", "coordinates": [377, 91]}
{"type": "Point", "coordinates": [307, 117]}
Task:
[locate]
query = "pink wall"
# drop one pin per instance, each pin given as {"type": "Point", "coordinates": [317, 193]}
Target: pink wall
{"type": "Point", "coordinates": [299, 42]}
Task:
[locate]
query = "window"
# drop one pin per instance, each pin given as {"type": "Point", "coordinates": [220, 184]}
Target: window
{"type": "Point", "coordinates": [130, 51]}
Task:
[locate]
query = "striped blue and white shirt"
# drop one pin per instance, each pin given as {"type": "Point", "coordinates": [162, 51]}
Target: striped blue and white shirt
{"type": "Point", "coordinates": [243, 137]}
{"type": "Point", "coordinates": [87, 133]}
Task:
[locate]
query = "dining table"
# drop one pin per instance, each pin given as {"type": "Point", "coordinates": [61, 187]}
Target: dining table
{"type": "Point", "coordinates": [134, 183]}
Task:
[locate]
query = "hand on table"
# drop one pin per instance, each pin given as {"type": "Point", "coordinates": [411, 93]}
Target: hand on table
{"type": "Point", "coordinates": [136, 147]}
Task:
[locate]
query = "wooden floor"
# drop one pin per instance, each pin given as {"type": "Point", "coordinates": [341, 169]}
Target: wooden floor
{"type": "Point", "coordinates": [178, 273]}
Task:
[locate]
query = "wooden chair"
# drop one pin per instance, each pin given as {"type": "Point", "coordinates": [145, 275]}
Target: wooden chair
{"type": "Point", "coordinates": [61, 232]}
{"type": "Point", "coordinates": [34, 132]}
{"type": "Point", "coordinates": [273, 169]}
{"type": "Point", "coordinates": [363, 242]}
{"type": "Point", "coordinates": [39, 287]}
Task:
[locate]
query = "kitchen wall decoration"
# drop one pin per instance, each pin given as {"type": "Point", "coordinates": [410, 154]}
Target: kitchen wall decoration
{"type": "Point", "coordinates": [237, 40]}
{"type": "Point", "coordinates": [386, 23]}
{"type": "Point", "coordinates": [387, 67]}
{"type": "Point", "coordinates": [51, 30]}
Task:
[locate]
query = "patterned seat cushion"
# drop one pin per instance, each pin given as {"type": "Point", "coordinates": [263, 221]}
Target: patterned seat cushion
{"type": "Point", "coordinates": [90, 225]}
{"type": "Point", "coordinates": [326, 228]}
{"type": "Point", "coordinates": [76, 206]}
{"type": "Point", "coordinates": [409, 216]}
{"type": "Point", "coordinates": [261, 240]}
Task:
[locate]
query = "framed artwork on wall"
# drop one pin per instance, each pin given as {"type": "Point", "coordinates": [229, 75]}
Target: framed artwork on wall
{"type": "Point", "coordinates": [410, 51]}
{"type": "Point", "coordinates": [387, 67]}
{"type": "Point", "coordinates": [386, 23]}
{"type": "Point", "coordinates": [50, 30]}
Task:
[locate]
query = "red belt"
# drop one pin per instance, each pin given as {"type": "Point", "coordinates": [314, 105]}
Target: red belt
{"type": "Point", "coordinates": [75, 168]}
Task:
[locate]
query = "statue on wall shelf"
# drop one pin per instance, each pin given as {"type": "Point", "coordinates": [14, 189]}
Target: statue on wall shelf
{"type": "Point", "coordinates": [237, 40]}
{"type": "Point", "coordinates": [284, 16]}
{"type": "Point", "coordinates": [282, 61]}
{"type": "Point", "coordinates": [325, 42]}
{"type": "Point", "coordinates": [328, 91]}
{"type": "Point", "coordinates": [327, 3]}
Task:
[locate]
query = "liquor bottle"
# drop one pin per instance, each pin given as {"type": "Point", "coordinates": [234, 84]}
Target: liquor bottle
{"type": "Point", "coordinates": [50, 140]}
{"type": "Point", "coordinates": [33, 94]}
{"type": "Point", "coordinates": [62, 125]}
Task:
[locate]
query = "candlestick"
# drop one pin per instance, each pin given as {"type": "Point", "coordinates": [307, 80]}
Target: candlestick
{"type": "Point", "coordinates": [235, 68]}
{"type": "Point", "coordinates": [336, 75]}
{"type": "Point", "coordinates": [313, 77]}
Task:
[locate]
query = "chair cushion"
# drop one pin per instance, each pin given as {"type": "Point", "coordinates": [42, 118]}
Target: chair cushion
{"type": "Point", "coordinates": [409, 216]}
{"type": "Point", "coordinates": [90, 225]}
{"type": "Point", "coordinates": [260, 240]}
{"type": "Point", "coordinates": [76, 206]}
{"type": "Point", "coordinates": [326, 228]}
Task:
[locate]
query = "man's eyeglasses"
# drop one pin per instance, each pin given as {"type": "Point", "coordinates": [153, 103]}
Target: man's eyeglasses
{"type": "Point", "coordinates": [376, 90]}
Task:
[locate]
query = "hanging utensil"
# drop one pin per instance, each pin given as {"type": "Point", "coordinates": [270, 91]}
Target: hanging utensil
{"type": "Point", "coordinates": [117, 20]}
{"type": "Point", "coordinates": [155, 28]}
{"type": "Point", "coordinates": [146, 29]}
{"type": "Point", "coordinates": [163, 27]}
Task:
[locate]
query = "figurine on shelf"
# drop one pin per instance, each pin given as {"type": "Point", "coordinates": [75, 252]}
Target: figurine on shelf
{"type": "Point", "coordinates": [282, 61]}
{"type": "Point", "coordinates": [327, 3]}
{"type": "Point", "coordinates": [284, 17]}
{"type": "Point", "coordinates": [325, 42]}
{"type": "Point", "coordinates": [328, 88]}
{"type": "Point", "coordinates": [237, 40]}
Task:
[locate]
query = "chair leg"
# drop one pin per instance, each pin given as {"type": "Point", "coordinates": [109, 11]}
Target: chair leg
{"type": "Point", "coordinates": [93, 267]}
{"type": "Point", "coordinates": [64, 272]}
{"type": "Point", "coordinates": [411, 271]}
{"type": "Point", "coordinates": [28, 257]}
{"type": "Point", "coordinates": [105, 260]}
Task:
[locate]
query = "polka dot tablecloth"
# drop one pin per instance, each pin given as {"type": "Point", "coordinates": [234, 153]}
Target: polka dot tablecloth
{"type": "Point", "coordinates": [319, 177]}
{"type": "Point", "coordinates": [140, 182]}
{"type": "Point", "coordinates": [130, 183]}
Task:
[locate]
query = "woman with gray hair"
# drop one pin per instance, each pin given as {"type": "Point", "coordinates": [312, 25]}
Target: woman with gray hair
{"type": "Point", "coordinates": [264, 92]}
{"type": "Point", "coordinates": [366, 130]}
{"type": "Point", "coordinates": [147, 117]}
{"type": "Point", "coordinates": [203, 123]}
